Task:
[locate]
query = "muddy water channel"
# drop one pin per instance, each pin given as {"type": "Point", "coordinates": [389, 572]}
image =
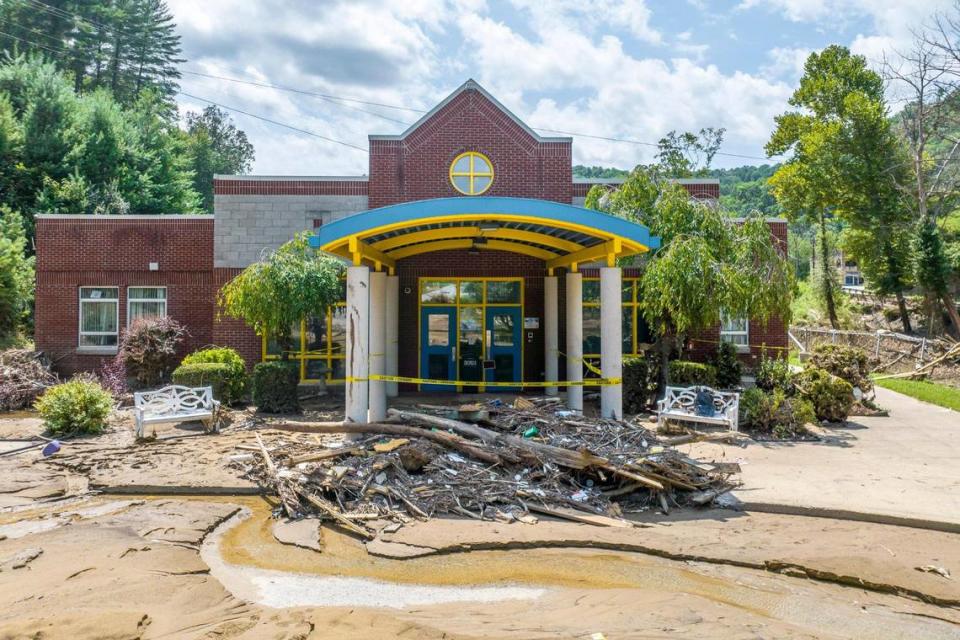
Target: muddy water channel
{"type": "Point", "coordinates": [246, 557]}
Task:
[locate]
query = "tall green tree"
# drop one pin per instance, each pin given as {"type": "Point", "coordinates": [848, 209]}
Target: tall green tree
{"type": "Point", "coordinates": [215, 146]}
{"type": "Point", "coordinates": [125, 46]}
{"type": "Point", "coordinates": [707, 264]}
{"type": "Point", "coordinates": [87, 153]}
{"type": "Point", "coordinates": [927, 76]}
{"type": "Point", "coordinates": [872, 166]}
{"type": "Point", "coordinates": [813, 184]}
{"type": "Point", "coordinates": [16, 274]}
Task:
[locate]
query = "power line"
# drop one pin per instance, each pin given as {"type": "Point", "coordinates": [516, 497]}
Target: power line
{"type": "Point", "coordinates": [275, 122]}
{"type": "Point", "coordinates": [335, 98]}
{"type": "Point", "coordinates": [324, 96]}
{"type": "Point", "coordinates": [332, 99]}
{"type": "Point", "coordinates": [58, 52]}
{"type": "Point", "coordinates": [60, 13]}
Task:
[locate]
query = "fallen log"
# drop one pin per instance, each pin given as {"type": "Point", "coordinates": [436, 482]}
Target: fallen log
{"type": "Point", "coordinates": [565, 457]}
{"type": "Point", "coordinates": [442, 437]}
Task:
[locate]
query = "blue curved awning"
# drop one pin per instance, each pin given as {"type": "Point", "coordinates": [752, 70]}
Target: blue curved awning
{"type": "Point", "coordinates": [560, 234]}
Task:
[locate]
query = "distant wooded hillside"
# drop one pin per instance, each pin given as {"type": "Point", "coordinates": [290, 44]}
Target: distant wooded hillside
{"type": "Point", "coordinates": [742, 189]}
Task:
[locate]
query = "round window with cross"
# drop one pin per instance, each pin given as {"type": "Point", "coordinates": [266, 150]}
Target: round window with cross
{"type": "Point", "coordinates": [471, 173]}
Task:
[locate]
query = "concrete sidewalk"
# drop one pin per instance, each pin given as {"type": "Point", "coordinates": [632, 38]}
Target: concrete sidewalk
{"type": "Point", "coordinates": [904, 469]}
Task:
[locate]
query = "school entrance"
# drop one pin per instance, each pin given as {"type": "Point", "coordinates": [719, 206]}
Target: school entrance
{"type": "Point", "coordinates": [470, 332]}
{"type": "Point", "coordinates": [464, 314]}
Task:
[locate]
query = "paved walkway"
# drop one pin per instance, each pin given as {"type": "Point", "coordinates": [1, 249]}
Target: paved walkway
{"type": "Point", "coordinates": [904, 468]}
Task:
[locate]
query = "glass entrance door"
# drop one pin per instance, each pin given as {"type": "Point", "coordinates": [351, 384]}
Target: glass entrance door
{"type": "Point", "coordinates": [504, 331]}
{"type": "Point", "coordinates": [438, 345]}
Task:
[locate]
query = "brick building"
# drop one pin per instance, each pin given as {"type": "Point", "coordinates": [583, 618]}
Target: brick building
{"type": "Point", "coordinates": [469, 223]}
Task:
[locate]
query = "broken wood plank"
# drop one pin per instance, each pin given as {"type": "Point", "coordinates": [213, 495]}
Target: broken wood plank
{"type": "Point", "coordinates": [579, 516]}
{"type": "Point", "coordinates": [329, 509]}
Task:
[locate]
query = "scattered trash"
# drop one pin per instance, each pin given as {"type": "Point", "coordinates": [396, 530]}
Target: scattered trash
{"type": "Point", "coordinates": [940, 571]}
{"type": "Point", "coordinates": [531, 432]}
{"type": "Point", "coordinates": [390, 445]}
{"type": "Point", "coordinates": [52, 447]}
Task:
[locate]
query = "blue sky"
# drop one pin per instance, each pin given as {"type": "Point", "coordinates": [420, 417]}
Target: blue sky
{"type": "Point", "coordinates": [630, 69]}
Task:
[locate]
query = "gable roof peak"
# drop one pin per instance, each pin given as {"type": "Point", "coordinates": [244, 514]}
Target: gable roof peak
{"type": "Point", "coordinates": [470, 85]}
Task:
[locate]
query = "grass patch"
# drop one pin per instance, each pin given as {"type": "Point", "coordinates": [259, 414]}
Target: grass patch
{"type": "Point", "coordinates": [938, 394]}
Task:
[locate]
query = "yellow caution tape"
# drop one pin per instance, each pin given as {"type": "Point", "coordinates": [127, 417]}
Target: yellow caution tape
{"type": "Point", "coordinates": [599, 382]}
{"type": "Point", "coordinates": [590, 367]}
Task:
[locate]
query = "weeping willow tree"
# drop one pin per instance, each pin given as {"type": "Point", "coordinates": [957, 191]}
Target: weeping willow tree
{"type": "Point", "coordinates": [276, 293]}
{"type": "Point", "coordinates": [707, 265]}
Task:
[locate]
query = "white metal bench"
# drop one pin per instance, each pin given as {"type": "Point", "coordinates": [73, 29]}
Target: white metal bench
{"type": "Point", "coordinates": [680, 403]}
{"type": "Point", "coordinates": [175, 403]}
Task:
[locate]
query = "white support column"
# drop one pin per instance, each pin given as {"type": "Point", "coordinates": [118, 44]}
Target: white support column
{"type": "Point", "coordinates": [393, 326]}
{"type": "Point", "coordinates": [611, 342]}
{"type": "Point", "coordinates": [378, 346]}
{"type": "Point", "coordinates": [551, 365]}
{"type": "Point", "coordinates": [575, 340]}
{"type": "Point", "coordinates": [358, 336]}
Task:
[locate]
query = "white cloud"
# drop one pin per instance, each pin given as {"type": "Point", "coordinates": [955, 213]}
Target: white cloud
{"type": "Point", "coordinates": [623, 96]}
{"type": "Point", "coordinates": [893, 21]}
{"type": "Point", "coordinates": [786, 63]}
{"type": "Point", "coordinates": [632, 16]}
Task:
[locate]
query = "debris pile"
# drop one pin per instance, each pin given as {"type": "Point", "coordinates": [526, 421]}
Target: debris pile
{"type": "Point", "coordinates": [24, 375]}
{"type": "Point", "coordinates": [505, 464]}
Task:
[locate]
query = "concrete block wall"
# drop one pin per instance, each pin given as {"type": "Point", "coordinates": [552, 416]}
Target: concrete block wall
{"type": "Point", "coordinates": [246, 225]}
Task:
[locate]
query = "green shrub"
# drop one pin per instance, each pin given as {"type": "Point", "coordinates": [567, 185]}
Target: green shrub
{"type": "Point", "coordinates": [234, 379]}
{"type": "Point", "coordinates": [205, 374]}
{"type": "Point", "coordinates": [729, 369]}
{"type": "Point", "coordinates": [639, 383]}
{"type": "Point", "coordinates": [686, 373]}
{"type": "Point", "coordinates": [774, 412]}
{"type": "Point", "coordinates": [831, 397]}
{"type": "Point", "coordinates": [149, 348]}
{"type": "Point", "coordinates": [774, 373]}
{"type": "Point", "coordinates": [847, 363]}
{"type": "Point", "coordinates": [274, 386]}
{"type": "Point", "coordinates": [78, 406]}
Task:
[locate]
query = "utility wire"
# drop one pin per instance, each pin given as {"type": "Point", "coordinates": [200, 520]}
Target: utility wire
{"type": "Point", "coordinates": [324, 96]}
{"type": "Point", "coordinates": [331, 99]}
{"type": "Point", "coordinates": [60, 13]}
{"type": "Point", "coordinates": [275, 122]}
{"type": "Point", "coordinates": [392, 106]}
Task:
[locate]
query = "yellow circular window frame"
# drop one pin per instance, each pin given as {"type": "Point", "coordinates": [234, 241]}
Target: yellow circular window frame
{"type": "Point", "coordinates": [471, 173]}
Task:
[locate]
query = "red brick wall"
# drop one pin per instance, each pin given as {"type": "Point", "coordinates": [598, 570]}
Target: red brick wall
{"type": "Point", "coordinates": [417, 167]}
{"type": "Point", "coordinates": [302, 187]}
{"type": "Point", "coordinates": [231, 332]}
{"type": "Point", "coordinates": [116, 252]}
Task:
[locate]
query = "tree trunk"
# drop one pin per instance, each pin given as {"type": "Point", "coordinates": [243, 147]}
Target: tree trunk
{"type": "Point", "coordinates": [826, 280]}
{"type": "Point", "coordinates": [904, 313]}
{"type": "Point", "coordinates": [951, 306]}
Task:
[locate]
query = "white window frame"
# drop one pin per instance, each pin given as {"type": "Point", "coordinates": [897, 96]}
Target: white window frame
{"type": "Point", "coordinates": [725, 333]}
{"type": "Point", "coordinates": [146, 286]}
{"type": "Point", "coordinates": [80, 332]}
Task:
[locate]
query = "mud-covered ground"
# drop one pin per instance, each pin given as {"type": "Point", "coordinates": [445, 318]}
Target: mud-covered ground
{"type": "Point", "coordinates": [78, 559]}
